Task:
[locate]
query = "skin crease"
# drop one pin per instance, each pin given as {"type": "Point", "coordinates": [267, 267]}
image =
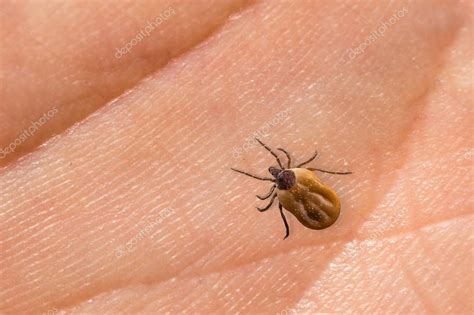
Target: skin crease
{"type": "Point", "coordinates": [151, 168]}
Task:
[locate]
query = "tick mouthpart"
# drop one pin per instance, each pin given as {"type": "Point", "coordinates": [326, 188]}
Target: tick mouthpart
{"type": "Point", "coordinates": [286, 179]}
{"type": "Point", "coordinates": [274, 171]}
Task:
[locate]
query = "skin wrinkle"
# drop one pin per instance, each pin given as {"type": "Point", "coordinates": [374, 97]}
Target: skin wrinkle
{"type": "Point", "coordinates": [387, 269]}
{"type": "Point", "coordinates": [99, 247]}
{"type": "Point", "coordinates": [53, 215]}
{"type": "Point", "coordinates": [423, 297]}
{"type": "Point", "coordinates": [284, 252]}
{"type": "Point", "coordinates": [237, 268]}
{"type": "Point", "coordinates": [441, 276]}
{"type": "Point", "coordinates": [412, 191]}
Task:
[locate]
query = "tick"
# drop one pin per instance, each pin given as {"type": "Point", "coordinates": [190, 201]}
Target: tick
{"type": "Point", "coordinates": [300, 192]}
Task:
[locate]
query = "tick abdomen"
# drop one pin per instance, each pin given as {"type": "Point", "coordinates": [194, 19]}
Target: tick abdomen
{"type": "Point", "coordinates": [314, 204]}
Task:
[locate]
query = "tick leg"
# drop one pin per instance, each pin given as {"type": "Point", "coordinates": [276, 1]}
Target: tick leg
{"type": "Point", "coordinates": [287, 156]}
{"type": "Point", "coordinates": [329, 172]}
{"type": "Point", "coordinates": [267, 195]}
{"type": "Point", "coordinates": [284, 221]}
{"type": "Point", "coordinates": [269, 205]}
{"type": "Point", "coordinates": [254, 176]}
{"type": "Point", "coordinates": [271, 151]}
{"type": "Point", "coordinates": [309, 160]}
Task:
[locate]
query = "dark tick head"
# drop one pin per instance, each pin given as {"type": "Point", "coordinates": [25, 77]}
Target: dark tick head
{"type": "Point", "coordinates": [285, 179]}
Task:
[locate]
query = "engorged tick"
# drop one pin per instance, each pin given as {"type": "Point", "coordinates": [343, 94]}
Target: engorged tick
{"type": "Point", "coordinates": [301, 192]}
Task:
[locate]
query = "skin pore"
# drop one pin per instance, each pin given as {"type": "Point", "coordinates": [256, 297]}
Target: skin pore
{"type": "Point", "coordinates": [123, 199]}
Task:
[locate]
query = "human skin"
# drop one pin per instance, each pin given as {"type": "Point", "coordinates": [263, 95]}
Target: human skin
{"type": "Point", "coordinates": [148, 172]}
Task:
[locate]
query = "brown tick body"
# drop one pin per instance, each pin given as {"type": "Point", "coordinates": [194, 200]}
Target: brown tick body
{"type": "Point", "coordinates": [301, 192]}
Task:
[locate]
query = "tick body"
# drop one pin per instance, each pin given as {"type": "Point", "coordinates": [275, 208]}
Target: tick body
{"type": "Point", "coordinates": [301, 192]}
{"type": "Point", "coordinates": [314, 204]}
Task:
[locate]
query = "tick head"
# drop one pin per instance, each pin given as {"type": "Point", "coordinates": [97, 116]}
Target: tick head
{"type": "Point", "coordinates": [285, 179]}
